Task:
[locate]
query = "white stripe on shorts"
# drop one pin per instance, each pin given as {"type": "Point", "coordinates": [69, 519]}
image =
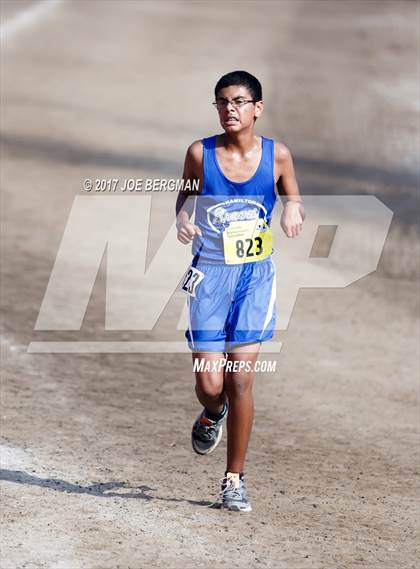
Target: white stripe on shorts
{"type": "Point", "coordinates": [271, 303]}
{"type": "Point", "coordinates": [189, 321]}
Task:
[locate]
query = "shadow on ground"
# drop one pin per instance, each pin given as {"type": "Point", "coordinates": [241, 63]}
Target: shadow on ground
{"type": "Point", "coordinates": [101, 489]}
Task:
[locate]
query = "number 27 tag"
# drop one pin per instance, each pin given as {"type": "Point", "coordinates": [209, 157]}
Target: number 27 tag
{"type": "Point", "coordinates": [191, 280]}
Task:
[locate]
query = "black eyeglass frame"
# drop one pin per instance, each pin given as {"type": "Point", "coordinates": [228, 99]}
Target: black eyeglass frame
{"type": "Point", "coordinates": [237, 105]}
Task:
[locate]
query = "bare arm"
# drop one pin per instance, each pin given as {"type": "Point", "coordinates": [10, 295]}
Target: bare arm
{"type": "Point", "coordinates": [186, 200]}
{"type": "Point", "coordinates": [293, 214]}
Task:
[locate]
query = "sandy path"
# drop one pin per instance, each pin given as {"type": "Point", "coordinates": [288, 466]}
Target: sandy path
{"type": "Point", "coordinates": [98, 472]}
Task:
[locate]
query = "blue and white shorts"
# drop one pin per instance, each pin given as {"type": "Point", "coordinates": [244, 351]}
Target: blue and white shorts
{"type": "Point", "coordinates": [229, 305]}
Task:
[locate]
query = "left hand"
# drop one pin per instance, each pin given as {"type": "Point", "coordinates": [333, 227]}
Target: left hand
{"type": "Point", "coordinates": [292, 218]}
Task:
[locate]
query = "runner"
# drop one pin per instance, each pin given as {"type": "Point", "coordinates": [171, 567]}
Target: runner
{"type": "Point", "coordinates": [231, 283]}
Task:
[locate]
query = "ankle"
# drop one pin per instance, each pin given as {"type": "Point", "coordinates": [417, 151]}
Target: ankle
{"type": "Point", "coordinates": [215, 416]}
{"type": "Point", "coordinates": [230, 473]}
{"type": "Point", "coordinates": [234, 478]}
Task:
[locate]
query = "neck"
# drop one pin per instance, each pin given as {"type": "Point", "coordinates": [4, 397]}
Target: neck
{"type": "Point", "coordinates": [243, 141]}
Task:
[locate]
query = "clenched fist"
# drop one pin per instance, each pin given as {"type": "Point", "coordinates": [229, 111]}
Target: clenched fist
{"type": "Point", "coordinates": [187, 231]}
{"type": "Point", "coordinates": [292, 218]}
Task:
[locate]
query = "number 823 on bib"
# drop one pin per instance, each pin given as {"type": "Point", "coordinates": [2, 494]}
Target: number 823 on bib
{"type": "Point", "coordinates": [247, 241]}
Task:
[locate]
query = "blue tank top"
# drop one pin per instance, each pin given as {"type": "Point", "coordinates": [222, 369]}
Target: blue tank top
{"type": "Point", "coordinates": [222, 200]}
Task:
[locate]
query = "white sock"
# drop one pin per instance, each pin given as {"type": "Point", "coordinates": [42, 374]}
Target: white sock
{"type": "Point", "coordinates": [233, 478]}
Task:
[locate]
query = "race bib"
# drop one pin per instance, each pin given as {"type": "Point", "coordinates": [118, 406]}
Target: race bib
{"type": "Point", "coordinates": [247, 241]}
{"type": "Point", "coordinates": [191, 280]}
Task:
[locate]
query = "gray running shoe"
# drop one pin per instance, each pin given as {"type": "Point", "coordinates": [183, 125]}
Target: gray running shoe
{"type": "Point", "coordinates": [233, 494]}
{"type": "Point", "coordinates": [206, 434]}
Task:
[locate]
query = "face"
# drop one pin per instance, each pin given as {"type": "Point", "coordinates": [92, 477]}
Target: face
{"type": "Point", "coordinates": [236, 118]}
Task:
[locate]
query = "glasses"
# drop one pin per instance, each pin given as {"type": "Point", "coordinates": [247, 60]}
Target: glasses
{"type": "Point", "coordinates": [222, 104]}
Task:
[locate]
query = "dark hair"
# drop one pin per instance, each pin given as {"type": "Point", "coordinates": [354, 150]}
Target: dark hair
{"type": "Point", "coordinates": [240, 78]}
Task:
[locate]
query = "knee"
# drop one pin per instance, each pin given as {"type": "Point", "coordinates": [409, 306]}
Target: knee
{"type": "Point", "coordinates": [210, 387]}
{"type": "Point", "coordinates": [238, 385]}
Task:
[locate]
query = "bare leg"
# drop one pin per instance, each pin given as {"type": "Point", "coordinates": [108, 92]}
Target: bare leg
{"type": "Point", "coordinates": [209, 384]}
{"type": "Point", "coordinates": [238, 387]}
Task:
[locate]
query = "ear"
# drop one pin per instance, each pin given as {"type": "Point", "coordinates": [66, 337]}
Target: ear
{"type": "Point", "coordinates": [259, 107]}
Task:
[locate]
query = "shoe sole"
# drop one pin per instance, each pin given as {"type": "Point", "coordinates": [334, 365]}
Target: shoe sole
{"type": "Point", "coordinates": [235, 508]}
{"type": "Point", "coordinates": [211, 449]}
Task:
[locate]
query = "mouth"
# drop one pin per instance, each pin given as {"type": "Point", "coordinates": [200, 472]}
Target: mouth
{"type": "Point", "coordinates": [230, 121]}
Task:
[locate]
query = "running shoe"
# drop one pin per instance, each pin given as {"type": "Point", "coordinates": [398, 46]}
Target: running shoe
{"type": "Point", "coordinates": [206, 433]}
{"type": "Point", "coordinates": [233, 493]}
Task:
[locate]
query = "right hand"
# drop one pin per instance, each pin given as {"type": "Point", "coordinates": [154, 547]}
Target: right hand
{"type": "Point", "coordinates": [187, 231]}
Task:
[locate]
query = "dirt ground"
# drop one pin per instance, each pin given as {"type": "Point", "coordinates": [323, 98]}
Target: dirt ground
{"type": "Point", "coordinates": [97, 469]}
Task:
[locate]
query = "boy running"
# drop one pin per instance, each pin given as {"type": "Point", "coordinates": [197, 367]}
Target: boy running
{"type": "Point", "coordinates": [231, 283]}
